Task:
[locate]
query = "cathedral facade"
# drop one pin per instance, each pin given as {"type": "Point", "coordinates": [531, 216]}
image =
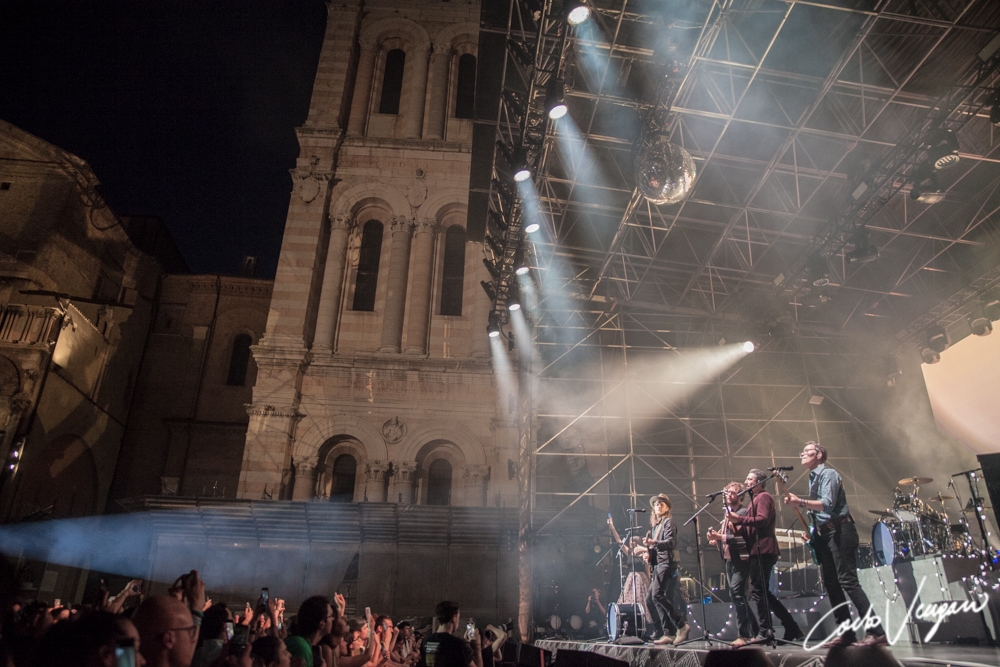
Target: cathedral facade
{"type": "Point", "coordinates": [374, 378]}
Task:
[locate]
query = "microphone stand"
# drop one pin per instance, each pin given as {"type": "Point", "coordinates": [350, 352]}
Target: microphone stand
{"type": "Point", "coordinates": [701, 573]}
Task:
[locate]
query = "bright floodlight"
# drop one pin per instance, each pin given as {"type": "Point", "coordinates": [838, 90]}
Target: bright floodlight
{"type": "Point", "coordinates": [532, 227]}
{"type": "Point", "coordinates": [522, 174]}
{"type": "Point", "coordinates": [494, 333]}
{"type": "Point", "coordinates": [748, 346]}
{"type": "Point", "coordinates": [521, 270]}
{"type": "Point", "coordinates": [558, 111]}
{"type": "Point", "coordinates": [513, 306]}
{"type": "Point", "coordinates": [578, 14]}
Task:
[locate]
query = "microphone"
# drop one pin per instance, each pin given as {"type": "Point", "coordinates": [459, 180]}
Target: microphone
{"type": "Point", "coordinates": [713, 496]}
{"type": "Point", "coordinates": [781, 468]}
{"type": "Point", "coordinates": [639, 509]}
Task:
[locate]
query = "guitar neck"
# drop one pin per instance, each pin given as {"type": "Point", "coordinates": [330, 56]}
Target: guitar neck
{"type": "Point", "coordinates": [784, 490]}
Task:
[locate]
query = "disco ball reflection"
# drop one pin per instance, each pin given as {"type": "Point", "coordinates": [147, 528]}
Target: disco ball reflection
{"type": "Point", "coordinates": [664, 172]}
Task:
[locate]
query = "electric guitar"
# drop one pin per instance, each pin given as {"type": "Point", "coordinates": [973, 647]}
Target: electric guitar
{"type": "Point", "coordinates": [782, 482]}
{"type": "Point", "coordinates": [731, 539]}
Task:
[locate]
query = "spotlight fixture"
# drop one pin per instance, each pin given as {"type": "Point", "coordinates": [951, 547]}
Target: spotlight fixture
{"type": "Point", "coordinates": [513, 300]}
{"type": "Point", "coordinates": [749, 347]}
{"type": "Point", "coordinates": [863, 250]}
{"type": "Point", "coordinates": [576, 12]}
{"type": "Point", "coordinates": [520, 167]}
{"type": "Point", "coordinates": [942, 148]}
{"type": "Point", "coordinates": [980, 324]}
{"type": "Point", "coordinates": [493, 328]}
{"type": "Point", "coordinates": [929, 356]}
{"type": "Point", "coordinates": [495, 246]}
{"type": "Point", "coordinates": [937, 338]}
{"type": "Point", "coordinates": [555, 99]}
{"type": "Point", "coordinates": [532, 227]}
{"type": "Point", "coordinates": [990, 302]}
{"type": "Point", "coordinates": [493, 268]}
{"type": "Point", "coordinates": [521, 266]}
{"type": "Point", "coordinates": [926, 188]}
{"type": "Point", "coordinates": [816, 271]}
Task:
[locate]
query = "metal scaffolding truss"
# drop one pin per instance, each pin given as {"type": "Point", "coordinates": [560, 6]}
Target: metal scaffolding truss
{"type": "Point", "coordinates": [807, 121]}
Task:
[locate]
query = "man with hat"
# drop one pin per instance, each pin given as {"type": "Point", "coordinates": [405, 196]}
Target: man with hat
{"type": "Point", "coordinates": [663, 562]}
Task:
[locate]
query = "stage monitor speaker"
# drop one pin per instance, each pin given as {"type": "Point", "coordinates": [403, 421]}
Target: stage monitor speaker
{"type": "Point", "coordinates": [991, 474]}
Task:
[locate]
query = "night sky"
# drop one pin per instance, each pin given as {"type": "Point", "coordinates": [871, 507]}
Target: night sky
{"type": "Point", "coordinates": [184, 110]}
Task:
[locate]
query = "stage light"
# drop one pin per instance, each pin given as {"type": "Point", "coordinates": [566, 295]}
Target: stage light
{"type": "Point", "coordinates": [816, 271]}
{"type": "Point", "coordinates": [555, 99]}
{"type": "Point", "coordinates": [532, 227]}
{"type": "Point", "coordinates": [980, 325]}
{"type": "Point", "coordinates": [990, 302]}
{"type": "Point", "coordinates": [493, 268]}
{"type": "Point", "coordinates": [863, 250]}
{"type": "Point", "coordinates": [926, 188]}
{"type": "Point", "coordinates": [749, 347]}
{"type": "Point", "coordinates": [493, 328]}
{"type": "Point", "coordinates": [942, 148]}
{"type": "Point", "coordinates": [664, 172]}
{"type": "Point", "coordinates": [520, 167]}
{"type": "Point", "coordinates": [514, 303]}
{"type": "Point", "coordinates": [521, 266]}
{"type": "Point", "coordinates": [929, 356]}
{"type": "Point", "coordinates": [577, 13]}
{"type": "Point", "coordinates": [937, 338]}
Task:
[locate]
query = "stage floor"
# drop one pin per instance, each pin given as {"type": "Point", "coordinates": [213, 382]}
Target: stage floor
{"type": "Point", "coordinates": [647, 655]}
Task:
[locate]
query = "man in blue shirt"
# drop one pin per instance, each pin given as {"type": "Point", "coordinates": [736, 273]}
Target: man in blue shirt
{"type": "Point", "coordinates": [835, 541]}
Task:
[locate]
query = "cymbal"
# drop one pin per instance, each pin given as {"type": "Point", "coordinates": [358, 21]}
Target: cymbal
{"type": "Point", "coordinates": [941, 497]}
{"type": "Point", "coordinates": [885, 514]}
{"type": "Point", "coordinates": [914, 481]}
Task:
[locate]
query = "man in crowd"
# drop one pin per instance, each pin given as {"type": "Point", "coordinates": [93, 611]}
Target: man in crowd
{"type": "Point", "coordinates": [835, 541]}
{"type": "Point", "coordinates": [757, 526]}
{"type": "Point", "coordinates": [168, 631]}
{"type": "Point", "coordinates": [444, 649]}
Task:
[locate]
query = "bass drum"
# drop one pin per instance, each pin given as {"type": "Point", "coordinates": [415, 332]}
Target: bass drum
{"type": "Point", "coordinates": [891, 542]}
{"type": "Point", "coordinates": [625, 620]}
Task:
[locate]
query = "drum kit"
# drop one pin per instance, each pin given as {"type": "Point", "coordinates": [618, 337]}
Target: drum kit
{"type": "Point", "coordinates": [914, 528]}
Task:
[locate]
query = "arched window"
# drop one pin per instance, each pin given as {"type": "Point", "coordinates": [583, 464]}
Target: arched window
{"type": "Point", "coordinates": [465, 91]}
{"type": "Point", "coordinates": [452, 283]}
{"type": "Point", "coordinates": [392, 82]}
{"type": "Point", "coordinates": [239, 361]}
{"type": "Point", "coordinates": [439, 483]}
{"type": "Point", "coordinates": [368, 260]}
{"type": "Point", "coordinates": [345, 468]}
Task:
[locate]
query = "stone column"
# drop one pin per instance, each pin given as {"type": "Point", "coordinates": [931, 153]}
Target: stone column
{"type": "Point", "coordinates": [410, 120]}
{"type": "Point", "coordinates": [395, 298]}
{"type": "Point", "coordinates": [333, 284]}
{"type": "Point", "coordinates": [475, 484]}
{"type": "Point", "coordinates": [420, 292]}
{"type": "Point", "coordinates": [360, 100]}
{"type": "Point", "coordinates": [437, 99]}
{"type": "Point", "coordinates": [375, 481]}
{"type": "Point", "coordinates": [404, 481]}
{"type": "Point", "coordinates": [305, 479]}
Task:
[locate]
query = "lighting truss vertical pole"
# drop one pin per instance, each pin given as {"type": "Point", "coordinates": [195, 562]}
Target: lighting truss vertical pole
{"type": "Point", "coordinates": [526, 444]}
{"type": "Point", "coordinates": [632, 490]}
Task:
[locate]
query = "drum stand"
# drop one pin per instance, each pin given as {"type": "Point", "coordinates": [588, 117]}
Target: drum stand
{"type": "Point", "coordinates": [701, 573]}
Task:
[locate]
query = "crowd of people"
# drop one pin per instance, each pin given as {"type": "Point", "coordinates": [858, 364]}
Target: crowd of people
{"type": "Point", "coordinates": [184, 629]}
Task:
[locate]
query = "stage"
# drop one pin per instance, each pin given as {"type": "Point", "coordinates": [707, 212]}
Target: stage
{"type": "Point", "coordinates": [648, 655]}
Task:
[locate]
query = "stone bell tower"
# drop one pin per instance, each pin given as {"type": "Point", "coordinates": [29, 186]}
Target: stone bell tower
{"type": "Point", "coordinates": [374, 381]}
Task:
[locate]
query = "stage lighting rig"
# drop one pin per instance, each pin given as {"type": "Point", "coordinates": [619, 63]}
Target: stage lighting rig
{"type": "Point", "coordinates": [749, 346]}
{"type": "Point", "coordinates": [929, 356]}
{"type": "Point", "coordinates": [532, 227]}
{"type": "Point", "coordinates": [990, 302]}
{"type": "Point", "coordinates": [980, 324]}
{"type": "Point", "coordinates": [520, 168]}
{"type": "Point", "coordinates": [926, 188]}
{"type": "Point", "coordinates": [576, 13]}
{"type": "Point", "coordinates": [521, 264]}
{"type": "Point", "coordinates": [942, 148]}
{"type": "Point", "coordinates": [491, 292]}
{"type": "Point", "coordinates": [555, 99]}
{"type": "Point", "coordinates": [937, 338]}
{"type": "Point", "coordinates": [863, 250]}
{"type": "Point", "coordinates": [493, 328]}
{"type": "Point", "coordinates": [817, 272]}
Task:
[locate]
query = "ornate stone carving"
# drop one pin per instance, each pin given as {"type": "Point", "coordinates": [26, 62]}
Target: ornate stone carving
{"type": "Point", "coordinates": [427, 226]}
{"type": "Point", "coordinates": [306, 466]}
{"type": "Point", "coordinates": [342, 222]}
{"type": "Point", "coordinates": [402, 224]}
{"type": "Point", "coordinates": [393, 430]}
{"type": "Point", "coordinates": [376, 470]}
{"type": "Point", "coordinates": [475, 474]}
{"type": "Point", "coordinates": [307, 186]}
{"type": "Point", "coordinates": [405, 471]}
{"type": "Point", "coordinates": [415, 193]}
